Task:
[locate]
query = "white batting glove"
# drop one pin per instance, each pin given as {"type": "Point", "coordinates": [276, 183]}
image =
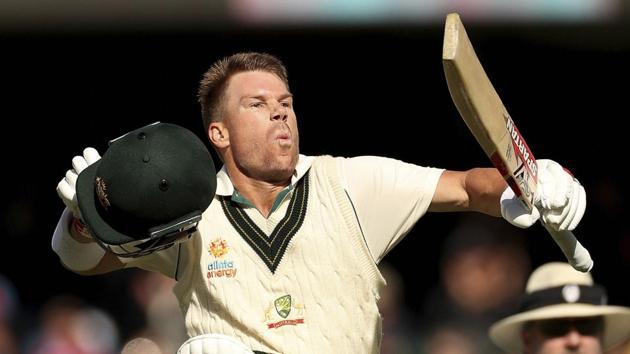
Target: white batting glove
{"type": "Point", "coordinates": [515, 212]}
{"type": "Point", "coordinates": [213, 344]}
{"type": "Point", "coordinates": [66, 188]}
{"type": "Point", "coordinates": [560, 197]}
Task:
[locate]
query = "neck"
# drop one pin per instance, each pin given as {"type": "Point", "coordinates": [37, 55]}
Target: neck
{"type": "Point", "coordinates": [261, 194]}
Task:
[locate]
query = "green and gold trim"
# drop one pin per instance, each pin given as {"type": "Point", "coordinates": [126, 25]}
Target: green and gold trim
{"type": "Point", "coordinates": [270, 248]}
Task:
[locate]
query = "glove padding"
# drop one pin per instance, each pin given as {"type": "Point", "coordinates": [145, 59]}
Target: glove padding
{"type": "Point", "coordinates": [66, 188]}
{"type": "Point", "coordinates": [559, 199]}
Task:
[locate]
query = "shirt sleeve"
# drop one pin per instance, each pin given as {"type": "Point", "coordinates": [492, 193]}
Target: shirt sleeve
{"type": "Point", "coordinates": [389, 196]}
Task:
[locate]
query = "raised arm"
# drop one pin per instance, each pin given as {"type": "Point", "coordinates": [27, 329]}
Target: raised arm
{"type": "Point", "coordinates": [560, 199]}
{"type": "Point", "coordinates": [72, 242]}
{"type": "Point", "coordinates": [478, 189]}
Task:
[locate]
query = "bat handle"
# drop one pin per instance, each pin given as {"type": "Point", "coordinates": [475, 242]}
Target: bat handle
{"type": "Point", "coordinates": [576, 254]}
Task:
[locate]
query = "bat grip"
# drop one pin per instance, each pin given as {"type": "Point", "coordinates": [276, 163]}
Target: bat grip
{"type": "Point", "coordinates": [576, 254]}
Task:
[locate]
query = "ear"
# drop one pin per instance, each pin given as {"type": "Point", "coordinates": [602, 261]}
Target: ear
{"type": "Point", "coordinates": [526, 339]}
{"type": "Point", "coordinates": [219, 135]}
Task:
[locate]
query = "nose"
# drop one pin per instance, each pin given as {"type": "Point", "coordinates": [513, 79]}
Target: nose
{"type": "Point", "coordinates": [573, 339]}
{"type": "Point", "coordinates": [279, 112]}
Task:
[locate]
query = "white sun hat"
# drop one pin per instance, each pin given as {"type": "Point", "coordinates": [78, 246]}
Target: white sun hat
{"type": "Point", "coordinates": [556, 290]}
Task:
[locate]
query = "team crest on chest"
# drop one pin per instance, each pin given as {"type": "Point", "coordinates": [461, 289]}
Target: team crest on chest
{"type": "Point", "coordinates": [218, 248]}
{"type": "Point", "coordinates": [283, 305]}
{"type": "Point", "coordinates": [220, 265]}
{"type": "Point", "coordinates": [284, 311]}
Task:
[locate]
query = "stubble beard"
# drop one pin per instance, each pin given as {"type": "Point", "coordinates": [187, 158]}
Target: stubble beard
{"type": "Point", "coordinates": [278, 170]}
{"type": "Point", "coordinates": [272, 168]}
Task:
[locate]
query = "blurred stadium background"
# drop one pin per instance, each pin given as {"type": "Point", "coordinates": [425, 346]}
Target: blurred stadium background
{"type": "Point", "coordinates": [367, 80]}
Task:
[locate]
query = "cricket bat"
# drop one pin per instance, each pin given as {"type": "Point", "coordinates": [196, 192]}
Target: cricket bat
{"type": "Point", "coordinates": [481, 108]}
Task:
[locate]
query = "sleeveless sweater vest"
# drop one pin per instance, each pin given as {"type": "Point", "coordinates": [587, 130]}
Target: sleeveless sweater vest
{"type": "Point", "coordinates": [310, 286]}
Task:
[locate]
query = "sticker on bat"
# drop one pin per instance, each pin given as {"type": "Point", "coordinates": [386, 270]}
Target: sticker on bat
{"type": "Point", "coordinates": [521, 147]}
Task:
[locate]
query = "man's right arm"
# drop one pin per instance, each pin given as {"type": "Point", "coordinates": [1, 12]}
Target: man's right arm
{"type": "Point", "coordinates": [78, 251]}
{"type": "Point", "coordinates": [71, 240]}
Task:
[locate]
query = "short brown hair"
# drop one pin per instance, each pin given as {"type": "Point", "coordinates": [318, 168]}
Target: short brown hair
{"type": "Point", "coordinates": [212, 86]}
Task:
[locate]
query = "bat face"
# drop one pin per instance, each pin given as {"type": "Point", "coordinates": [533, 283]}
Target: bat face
{"type": "Point", "coordinates": [485, 115]}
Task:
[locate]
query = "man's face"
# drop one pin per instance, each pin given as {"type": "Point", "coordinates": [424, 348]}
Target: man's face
{"type": "Point", "coordinates": [262, 126]}
{"type": "Point", "coordinates": [564, 336]}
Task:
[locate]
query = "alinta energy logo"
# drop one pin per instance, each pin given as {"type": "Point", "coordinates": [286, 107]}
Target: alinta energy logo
{"type": "Point", "coordinates": [283, 314]}
{"type": "Point", "coordinates": [220, 267]}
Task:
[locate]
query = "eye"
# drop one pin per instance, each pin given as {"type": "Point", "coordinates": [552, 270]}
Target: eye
{"type": "Point", "coordinates": [286, 104]}
{"type": "Point", "coordinates": [257, 104]}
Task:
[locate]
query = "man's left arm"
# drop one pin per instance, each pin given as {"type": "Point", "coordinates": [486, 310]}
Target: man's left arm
{"type": "Point", "coordinates": [560, 198]}
{"type": "Point", "coordinates": [478, 189]}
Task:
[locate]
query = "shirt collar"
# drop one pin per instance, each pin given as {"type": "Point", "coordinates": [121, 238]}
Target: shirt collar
{"type": "Point", "coordinates": [225, 186]}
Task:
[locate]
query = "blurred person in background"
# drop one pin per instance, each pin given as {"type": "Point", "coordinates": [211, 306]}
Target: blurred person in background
{"type": "Point", "coordinates": [398, 326]}
{"type": "Point", "coordinates": [68, 326]}
{"type": "Point", "coordinates": [562, 311]}
{"type": "Point", "coordinates": [153, 292]}
{"type": "Point", "coordinates": [450, 339]}
{"type": "Point", "coordinates": [483, 268]}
